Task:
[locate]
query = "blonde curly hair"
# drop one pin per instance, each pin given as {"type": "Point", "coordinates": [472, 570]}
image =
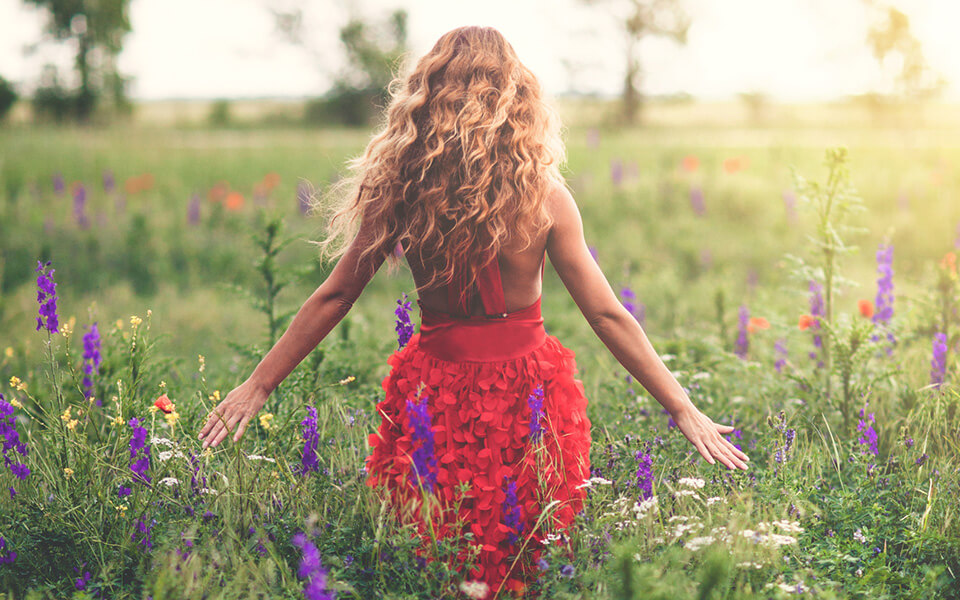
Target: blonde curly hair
{"type": "Point", "coordinates": [462, 161]}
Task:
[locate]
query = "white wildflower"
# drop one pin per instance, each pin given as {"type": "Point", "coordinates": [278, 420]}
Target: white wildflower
{"type": "Point", "coordinates": [171, 481]}
{"type": "Point", "coordinates": [682, 518]}
{"type": "Point", "coordinates": [168, 454]}
{"type": "Point", "coordinates": [691, 482]}
{"type": "Point", "coordinates": [857, 535]}
{"type": "Point", "coordinates": [681, 493]}
{"type": "Point", "coordinates": [777, 540]}
{"type": "Point", "coordinates": [259, 457]}
{"type": "Point", "coordinates": [701, 375]}
{"type": "Point", "coordinates": [699, 542]}
{"type": "Point", "coordinates": [208, 491]}
{"type": "Point", "coordinates": [715, 499]}
{"type": "Point", "coordinates": [667, 357]}
{"type": "Point", "coordinates": [749, 564]}
{"type": "Point", "coordinates": [588, 483]}
{"type": "Point", "coordinates": [476, 590]}
{"type": "Point", "coordinates": [161, 441]}
{"type": "Point", "coordinates": [792, 526]}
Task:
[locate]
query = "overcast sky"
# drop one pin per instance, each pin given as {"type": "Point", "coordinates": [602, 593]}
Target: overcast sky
{"type": "Point", "coordinates": [791, 49]}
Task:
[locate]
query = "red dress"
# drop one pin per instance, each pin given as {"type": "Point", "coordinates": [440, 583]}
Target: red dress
{"type": "Point", "coordinates": [479, 377]}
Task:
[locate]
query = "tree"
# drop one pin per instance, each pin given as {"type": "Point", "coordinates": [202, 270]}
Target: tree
{"type": "Point", "coordinates": [8, 97]}
{"type": "Point", "coordinates": [360, 88]}
{"type": "Point", "coordinates": [895, 48]}
{"type": "Point", "coordinates": [98, 26]}
{"type": "Point", "coordinates": [641, 19]}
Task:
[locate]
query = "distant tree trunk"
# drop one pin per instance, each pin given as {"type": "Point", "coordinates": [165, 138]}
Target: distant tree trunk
{"type": "Point", "coordinates": [631, 89]}
{"type": "Point", "coordinates": [85, 98]}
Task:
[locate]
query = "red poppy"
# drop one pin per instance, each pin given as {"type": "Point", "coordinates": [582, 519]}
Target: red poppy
{"type": "Point", "coordinates": [806, 321]}
{"type": "Point", "coordinates": [866, 307]}
{"type": "Point", "coordinates": [756, 323]}
{"type": "Point", "coordinates": [164, 404]}
{"type": "Point", "coordinates": [690, 163]}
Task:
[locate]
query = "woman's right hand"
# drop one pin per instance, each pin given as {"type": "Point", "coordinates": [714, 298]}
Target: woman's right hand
{"type": "Point", "coordinates": [705, 435]}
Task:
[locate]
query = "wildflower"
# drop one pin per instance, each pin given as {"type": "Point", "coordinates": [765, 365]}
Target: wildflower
{"type": "Point", "coordinates": [806, 321]}
{"type": "Point", "coordinates": [203, 363]}
{"type": "Point", "coordinates": [170, 481]}
{"type": "Point", "coordinates": [347, 380]}
{"type": "Point", "coordinates": [535, 401]}
{"type": "Point", "coordinates": [58, 183]}
{"type": "Point", "coordinates": [404, 326]}
{"type": "Point", "coordinates": [16, 383]}
{"type": "Point", "coordinates": [135, 320]}
{"type": "Point", "coordinates": [79, 205]}
{"type": "Point", "coordinates": [424, 460]}
{"type": "Point", "coordinates": [266, 421]}
{"type": "Point", "coordinates": [476, 590]}
{"type": "Point", "coordinates": [884, 300]}
{"type": "Point", "coordinates": [139, 447]}
{"type": "Point", "coordinates": [696, 543]}
{"type": "Point", "coordinates": [696, 201]}
{"type": "Point", "coordinates": [858, 535]}
{"type": "Point", "coordinates": [543, 565]}
{"type": "Point", "coordinates": [869, 437]}
{"type": "Point", "coordinates": [193, 210]}
{"type": "Point", "coordinates": [628, 299]}
{"type": "Point", "coordinates": [616, 172]}
{"type": "Point", "coordinates": [757, 323]}
{"type": "Point", "coordinates": [8, 352]}
{"type": "Point", "coordinates": [124, 491]}
{"type": "Point", "coordinates": [742, 344]}
{"type": "Point", "coordinates": [511, 510]}
{"type": "Point", "coordinates": [715, 499]}
{"type": "Point", "coordinates": [163, 403]}
{"type": "Point", "coordinates": [309, 461]}
{"type": "Point", "coordinates": [690, 163]}
{"type": "Point", "coordinates": [143, 531]}
{"type": "Point", "coordinates": [312, 570]}
{"type": "Point", "coordinates": [816, 311]}
{"type": "Point", "coordinates": [566, 571]}
{"type": "Point", "coordinates": [81, 582]}
{"type": "Point", "coordinates": [939, 362]}
{"type": "Point", "coordinates": [644, 474]}
{"type": "Point", "coordinates": [171, 418]}
{"type": "Point", "coordinates": [780, 348]}
{"type": "Point", "coordinates": [865, 307]}
{"type": "Point", "coordinates": [67, 472]}
{"type": "Point", "coordinates": [47, 297]}
{"type": "Point", "coordinates": [593, 253]}
{"type": "Point", "coordinates": [691, 482]}
{"type": "Point", "coordinates": [9, 556]}
{"type": "Point", "coordinates": [91, 359]}
{"type": "Point", "coordinates": [11, 440]}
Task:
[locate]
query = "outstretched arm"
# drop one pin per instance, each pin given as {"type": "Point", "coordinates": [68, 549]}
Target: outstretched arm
{"type": "Point", "coordinates": [321, 312]}
{"type": "Point", "coordinates": [622, 334]}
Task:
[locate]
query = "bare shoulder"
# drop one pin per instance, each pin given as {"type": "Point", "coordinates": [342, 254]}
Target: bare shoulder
{"type": "Point", "coordinates": [561, 205]}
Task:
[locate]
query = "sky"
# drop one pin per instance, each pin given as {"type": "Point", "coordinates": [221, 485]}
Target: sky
{"type": "Point", "coordinates": [792, 50]}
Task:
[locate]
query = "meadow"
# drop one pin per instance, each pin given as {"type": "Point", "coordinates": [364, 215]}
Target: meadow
{"type": "Point", "coordinates": [189, 249]}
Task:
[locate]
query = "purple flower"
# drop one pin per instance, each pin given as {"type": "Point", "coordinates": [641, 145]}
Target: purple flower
{"type": "Point", "coordinates": [938, 365]}
{"type": "Point", "coordinates": [511, 510]}
{"type": "Point", "coordinates": [6, 557]}
{"type": "Point", "coordinates": [58, 185]}
{"type": "Point", "coordinates": [124, 491]}
{"type": "Point", "coordinates": [816, 311]}
{"type": "Point", "coordinates": [311, 436]}
{"type": "Point", "coordinates": [424, 459]}
{"type": "Point", "coordinates": [535, 401]}
{"type": "Point", "coordinates": [312, 570]}
{"type": "Point", "coordinates": [80, 205]}
{"type": "Point", "coordinates": [869, 437]}
{"type": "Point", "coordinates": [193, 210]}
{"type": "Point", "coordinates": [47, 297]}
{"type": "Point", "coordinates": [884, 300]}
{"type": "Point", "coordinates": [81, 582]}
{"type": "Point", "coordinates": [566, 571]}
{"type": "Point", "coordinates": [616, 172]}
{"type": "Point", "coordinates": [644, 474]}
{"type": "Point", "coordinates": [628, 299]}
{"type": "Point", "coordinates": [743, 342]}
{"type": "Point", "coordinates": [404, 324]}
{"type": "Point", "coordinates": [109, 182]}
{"type": "Point", "coordinates": [139, 452]}
{"type": "Point", "coordinates": [11, 441]}
{"type": "Point", "coordinates": [596, 258]}
{"type": "Point", "coordinates": [303, 197]}
{"type": "Point", "coordinates": [92, 359]}
{"type": "Point", "coordinates": [696, 201]}
{"type": "Point", "coordinates": [780, 348]}
{"type": "Point", "coordinates": [143, 531]}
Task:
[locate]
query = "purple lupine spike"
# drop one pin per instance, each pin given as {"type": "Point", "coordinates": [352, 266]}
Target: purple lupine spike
{"type": "Point", "coordinates": [644, 474]}
{"type": "Point", "coordinates": [109, 182]}
{"type": "Point", "coordinates": [883, 312]}
{"type": "Point", "coordinates": [91, 359]}
{"type": "Point", "coordinates": [535, 402]}
{"type": "Point", "coordinates": [58, 185]}
{"type": "Point", "coordinates": [80, 206]}
{"type": "Point", "coordinates": [696, 201]}
{"type": "Point", "coordinates": [938, 365]}
{"type": "Point", "coordinates": [311, 569]}
{"type": "Point", "coordinates": [816, 311]}
{"type": "Point", "coordinates": [311, 437]}
{"type": "Point", "coordinates": [143, 531]}
{"type": "Point", "coordinates": [424, 459]}
{"type": "Point", "coordinates": [7, 556]}
{"type": "Point", "coordinates": [616, 172]}
{"type": "Point", "coordinates": [12, 442]}
{"type": "Point", "coordinates": [193, 210]}
{"type": "Point", "coordinates": [404, 326]}
{"type": "Point", "coordinates": [780, 349]}
{"type": "Point", "coordinates": [869, 437]}
{"type": "Point", "coordinates": [743, 342]}
{"type": "Point", "coordinates": [303, 197]}
{"type": "Point", "coordinates": [511, 510]}
{"type": "Point", "coordinates": [47, 297]}
{"type": "Point", "coordinates": [638, 310]}
{"type": "Point", "coordinates": [139, 452]}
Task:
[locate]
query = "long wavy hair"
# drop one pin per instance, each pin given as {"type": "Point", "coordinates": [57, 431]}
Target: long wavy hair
{"type": "Point", "coordinates": [461, 163]}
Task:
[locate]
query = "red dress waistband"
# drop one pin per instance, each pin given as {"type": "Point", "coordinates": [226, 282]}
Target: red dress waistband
{"type": "Point", "coordinates": [481, 338]}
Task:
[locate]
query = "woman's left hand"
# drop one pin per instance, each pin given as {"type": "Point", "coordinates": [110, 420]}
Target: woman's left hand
{"type": "Point", "coordinates": [238, 407]}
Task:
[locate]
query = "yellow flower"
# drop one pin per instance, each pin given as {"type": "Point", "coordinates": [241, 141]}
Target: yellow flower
{"type": "Point", "coordinates": [203, 362]}
{"type": "Point", "coordinates": [207, 452]}
{"type": "Point", "coordinates": [347, 380]}
{"type": "Point", "coordinates": [68, 472]}
{"type": "Point", "coordinates": [266, 421]}
{"type": "Point", "coordinates": [275, 473]}
{"type": "Point", "coordinates": [15, 382]}
{"type": "Point", "coordinates": [215, 396]}
{"type": "Point", "coordinates": [66, 414]}
{"type": "Point", "coordinates": [135, 320]}
{"type": "Point", "coordinates": [153, 409]}
{"type": "Point", "coordinates": [8, 352]}
{"type": "Point", "coordinates": [66, 329]}
{"type": "Point", "coordinates": [15, 403]}
{"type": "Point", "coordinates": [121, 508]}
{"type": "Point", "coordinates": [117, 420]}
{"type": "Point", "coordinates": [71, 424]}
{"type": "Point", "coordinates": [171, 418]}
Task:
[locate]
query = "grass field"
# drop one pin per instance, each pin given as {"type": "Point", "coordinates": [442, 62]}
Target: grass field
{"type": "Point", "coordinates": [701, 221]}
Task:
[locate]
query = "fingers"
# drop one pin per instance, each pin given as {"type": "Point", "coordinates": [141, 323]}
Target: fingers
{"type": "Point", "coordinates": [225, 430]}
{"type": "Point", "coordinates": [720, 454]}
{"type": "Point", "coordinates": [728, 453]}
{"type": "Point", "coordinates": [703, 451]}
{"type": "Point", "coordinates": [724, 428]}
{"type": "Point", "coordinates": [220, 422]}
{"type": "Point", "coordinates": [241, 427]}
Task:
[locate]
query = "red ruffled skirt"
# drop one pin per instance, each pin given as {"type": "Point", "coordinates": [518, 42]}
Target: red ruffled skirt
{"type": "Point", "coordinates": [480, 419]}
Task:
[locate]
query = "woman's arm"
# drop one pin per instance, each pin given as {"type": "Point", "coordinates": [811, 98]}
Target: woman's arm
{"type": "Point", "coordinates": [622, 334]}
{"type": "Point", "coordinates": [320, 313]}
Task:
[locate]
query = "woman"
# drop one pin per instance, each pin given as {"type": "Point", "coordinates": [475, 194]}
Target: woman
{"type": "Point", "coordinates": [464, 179]}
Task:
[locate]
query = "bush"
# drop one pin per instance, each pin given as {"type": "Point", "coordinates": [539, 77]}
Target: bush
{"type": "Point", "coordinates": [8, 97]}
